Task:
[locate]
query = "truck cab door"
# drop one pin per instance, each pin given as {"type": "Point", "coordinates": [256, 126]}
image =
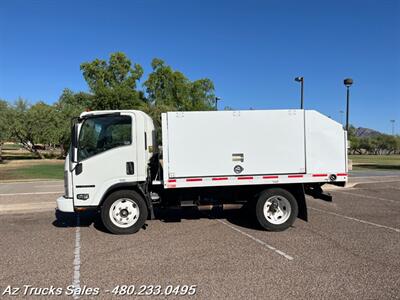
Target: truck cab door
{"type": "Point", "coordinates": [106, 155]}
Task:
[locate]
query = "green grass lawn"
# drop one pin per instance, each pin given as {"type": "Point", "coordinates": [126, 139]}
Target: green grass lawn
{"type": "Point", "coordinates": [16, 155]}
{"type": "Point", "coordinates": [376, 161]}
{"type": "Point", "coordinates": [11, 146]}
{"type": "Point", "coordinates": [37, 171]}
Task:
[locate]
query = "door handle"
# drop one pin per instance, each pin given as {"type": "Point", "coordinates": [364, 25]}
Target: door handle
{"type": "Point", "coordinates": [130, 168]}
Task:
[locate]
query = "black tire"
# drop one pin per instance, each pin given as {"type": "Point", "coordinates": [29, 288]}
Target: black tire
{"type": "Point", "coordinates": [107, 205]}
{"type": "Point", "coordinates": [280, 193]}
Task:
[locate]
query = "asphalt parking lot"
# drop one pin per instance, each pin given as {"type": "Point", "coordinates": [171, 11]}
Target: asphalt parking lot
{"type": "Point", "coordinates": [349, 248]}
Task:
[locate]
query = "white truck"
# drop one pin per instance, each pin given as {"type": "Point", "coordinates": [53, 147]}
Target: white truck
{"type": "Point", "coordinates": [266, 159]}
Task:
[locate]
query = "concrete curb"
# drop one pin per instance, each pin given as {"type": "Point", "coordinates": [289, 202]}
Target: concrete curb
{"type": "Point", "coordinates": [6, 209]}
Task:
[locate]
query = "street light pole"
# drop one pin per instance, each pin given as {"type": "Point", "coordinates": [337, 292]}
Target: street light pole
{"type": "Point", "coordinates": [348, 82]}
{"type": "Point", "coordinates": [392, 121]}
{"type": "Point", "coordinates": [301, 80]}
{"type": "Point", "coordinates": [216, 102]}
{"type": "Point", "coordinates": [347, 108]}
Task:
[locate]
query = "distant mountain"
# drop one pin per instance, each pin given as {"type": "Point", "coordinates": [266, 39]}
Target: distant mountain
{"type": "Point", "coordinates": [366, 132]}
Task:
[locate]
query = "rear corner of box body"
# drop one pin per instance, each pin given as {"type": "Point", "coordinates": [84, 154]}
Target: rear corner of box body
{"type": "Point", "coordinates": [326, 144]}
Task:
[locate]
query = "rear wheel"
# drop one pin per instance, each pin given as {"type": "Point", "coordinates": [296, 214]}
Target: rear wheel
{"type": "Point", "coordinates": [276, 209]}
{"type": "Point", "coordinates": [124, 212]}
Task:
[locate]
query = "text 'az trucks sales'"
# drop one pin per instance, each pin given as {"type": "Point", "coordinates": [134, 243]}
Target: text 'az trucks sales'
{"type": "Point", "coordinates": [264, 159]}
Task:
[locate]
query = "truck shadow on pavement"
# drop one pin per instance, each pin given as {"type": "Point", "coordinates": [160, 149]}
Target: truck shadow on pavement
{"type": "Point", "coordinates": [240, 217]}
{"type": "Point", "coordinates": [86, 219]}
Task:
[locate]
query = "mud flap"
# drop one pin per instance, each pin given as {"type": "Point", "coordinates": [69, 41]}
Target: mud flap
{"type": "Point", "coordinates": [299, 194]}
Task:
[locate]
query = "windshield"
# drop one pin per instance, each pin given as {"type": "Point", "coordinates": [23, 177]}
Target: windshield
{"type": "Point", "coordinates": [99, 134]}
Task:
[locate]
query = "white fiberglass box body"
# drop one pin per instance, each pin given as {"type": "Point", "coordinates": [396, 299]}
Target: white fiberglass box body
{"type": "Point", "coordinates": [215, 143]}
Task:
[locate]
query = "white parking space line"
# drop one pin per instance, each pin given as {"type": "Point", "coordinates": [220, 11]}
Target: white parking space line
{"type": "Point", "coordinates": [355, 219]}
{"type": "Point", "coordinates": [77, 259]}
{"type": "Point", "coordinates": [34, 193]}
{"type": "Point", "coordinates": [258, 241]}
{"type": "Point", "coordinates": [366, 196]}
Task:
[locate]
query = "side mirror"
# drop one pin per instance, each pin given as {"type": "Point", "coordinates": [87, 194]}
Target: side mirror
{"type": "Point", "coordinates": [74, 135]}
{"type": "Point", "coordinates": [74, 140]}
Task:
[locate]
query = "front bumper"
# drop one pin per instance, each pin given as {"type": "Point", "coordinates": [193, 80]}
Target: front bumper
{"type": "Point", "coordinates": [65, 204]}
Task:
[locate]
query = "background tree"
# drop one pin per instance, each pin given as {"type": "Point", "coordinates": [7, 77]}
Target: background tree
{"type": "Point", "coordinates": [169, 90]}
{"type": "Point", "coordinates": [114, 83]}
{"type": "Point", "coordinates": [392, 144]}
{"type": "Point", "coordinates": [365, 144]}
{"type": "Point", "coordinates": [397, 145]}
{"type": "Point", "coordinates": [68, 106]}
{"type": "Point", "coordinates": [4, 125]}
{"type": "Point", "coordinates": [355, 145]}
{"type": "Point", "coordinates": [166, 87]}
{"type": "Point", "coordinates": [377, 144]}
{"type": "Point", "coordinates": [33, 125]}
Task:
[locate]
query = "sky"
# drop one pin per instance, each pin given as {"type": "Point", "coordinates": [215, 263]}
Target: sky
{"type": "Point", "coordinates": [251, 50]}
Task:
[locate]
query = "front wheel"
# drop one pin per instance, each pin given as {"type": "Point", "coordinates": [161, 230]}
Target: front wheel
{"type": "Point", "coordinates": [124, 212]}
{"type": "Point", "coordinates": [276, 209]}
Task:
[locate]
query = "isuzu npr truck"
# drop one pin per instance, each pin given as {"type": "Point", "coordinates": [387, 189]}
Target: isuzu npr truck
{"type": "Point", "coordinates": [264, 159]}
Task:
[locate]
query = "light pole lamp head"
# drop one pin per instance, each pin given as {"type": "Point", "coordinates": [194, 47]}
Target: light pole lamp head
{"type": "Point", "coordinates": [348, 82]}
{"type": "Point", "coordinates": [299, 79]}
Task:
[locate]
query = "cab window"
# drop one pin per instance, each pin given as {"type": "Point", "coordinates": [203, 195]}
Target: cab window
{"type": "Point", "coordinates": [99, 134]}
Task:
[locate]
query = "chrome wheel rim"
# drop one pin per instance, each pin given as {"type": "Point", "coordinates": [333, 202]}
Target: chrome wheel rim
{"type": "Point", "coordinates": [277, 210]}
{"type": "Point", "coordinates": [124, 212]}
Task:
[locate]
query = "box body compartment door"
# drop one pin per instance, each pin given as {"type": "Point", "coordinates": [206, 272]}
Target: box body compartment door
{"type": "Point", "coordinates": [235, 143]}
